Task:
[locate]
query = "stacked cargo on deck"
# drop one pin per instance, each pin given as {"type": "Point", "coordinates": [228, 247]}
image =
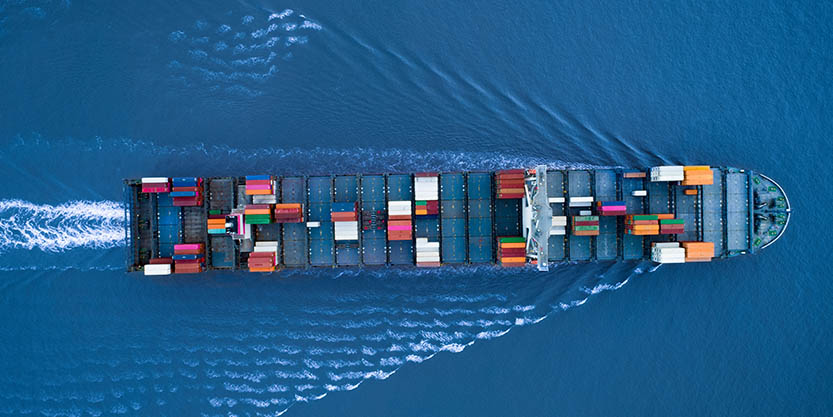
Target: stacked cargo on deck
{"type": "Point", "coordinates": [289, 213]}
{"type": "Point", "coordinates": [698, 175]}
{"type": "Point", "coordinates": [155, 185]}
{"type": "Point", "coordinates": [698, 251]}
{"type": "Point", "coordinates": [585, 225]}
{"type": "Point", "coordinates": [668, 225]}
{"type": "Point", "coordinates": [158, 266]}
{"type": "Point", "coordinates": [511, 251]}
{"type": "Point", "coordinates": [642, 224]}
{"type": "Point", "coordinates": [189, 258]}
{"type": "Point", "coordinates": [400, 226]}
{"type": "Point", "coordinates": [259, 185]}
{"type": "Point", "coordinates": [427, 253]}
{"type": "Point", "coordinates": [611, 208]}
{"type": "Point", "coordinates": [258, 214]}
{"type": "Point", "coordinates": [264, 258]}
{"type": "Point", "coordinates": [667, 173]}
{"type": "Point", "coordinates": [187, 191]}
{"type": "Point", "coordinates": [216, 223]}
{"type": "Point", "coordinates": [345, 221]}
{"type": "Point", "coordinates": [668, 253]}
{"type": "Point", "coordinates": [558, 227]}
{"type": "Point", "coordinates": [509, 183]}
{"type": "Point", "coordinates": [581, 202]}
{"type": "Point", "coordinates": [426, 194]}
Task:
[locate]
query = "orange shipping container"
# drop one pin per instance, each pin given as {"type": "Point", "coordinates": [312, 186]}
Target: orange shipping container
{"type": "Point", "coordinates": [517, 259]}
{"type": "Point", "coordinates": [288, 206]}
{"type": "Point", "coordinates": [520, 245]}
{"type": "Point", "coordinates": [258, 192]}
{"type": "Point", "coordinates": [257, 211]}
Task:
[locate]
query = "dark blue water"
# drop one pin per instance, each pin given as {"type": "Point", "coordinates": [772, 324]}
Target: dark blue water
{"type": "Point", "coordinates": [92, 92]}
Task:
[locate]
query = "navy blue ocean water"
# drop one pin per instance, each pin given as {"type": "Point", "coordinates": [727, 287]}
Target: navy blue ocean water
{"type": "Point", "coordinates": [93, 91]}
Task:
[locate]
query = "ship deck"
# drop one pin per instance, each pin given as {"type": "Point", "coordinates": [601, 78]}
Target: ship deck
{"type": "Point", "coordinates": [743, 211]}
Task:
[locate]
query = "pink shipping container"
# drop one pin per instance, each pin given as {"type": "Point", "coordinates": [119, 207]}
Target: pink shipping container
{"type": "Point", "coordinates": [258, 186]}
{"type": "Point", "coordinates": [188, 246]}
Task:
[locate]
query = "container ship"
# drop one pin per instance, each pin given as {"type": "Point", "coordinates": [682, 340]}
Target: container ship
{"type": "Point", "coordinates": [513, 218]}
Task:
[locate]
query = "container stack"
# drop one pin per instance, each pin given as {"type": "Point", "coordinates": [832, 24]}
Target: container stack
{"type": "Point", "coordinates": [671, 226]}
{"type": "Point", "coordinates": [511, 251]}
{"type": "Point", "coordinates": [585, 225]}
{"type": "Point", "coordinates": [510, 183]}
{"type": "Point", "coordinates": [667, 173]}
{"type": "Point", "coordinates": [187, 191]}
{"type": "Point", "coordinates": [257, 214]}
{"type": "Point", "coordinates": [158, 266]}
{"type": "Point", "coordinates": [668, 253]}
{"type": "Point", "coordinates": [698, 251]}
{"type": "Point", "coordinates": [426, 194]}
{"type": "Point", "coordinates": [216, 224]}
{"type": "Point", "coordinates": [399, 220]}
{"type": "Point", "coordinates": [427, 253]}
{"type": "Point", "coordinates": [611, 208]}
{"type": "Point", "coordinates": [581, 201]}
{"type": "Point", "coordinates": [259, 185]}
{"type": "Point", "coordinates": [155, 185]}
{"type": "Point", "coordinates": [426, 208]}
{"type": "Point", "coordinates": [289, 213]}
{"type": "Point", "coordinates": [558, 226]}
{"type": "Point", "coordinates": [345, 221]}
{"type": "Point", "coordinates": [188, 258]}
{"type": "Point", "coordinates": [698, 175]}
{"type": "Point", "coordinates": [264, 258]}
{"type": "Point", "coordinates": [642, 224]}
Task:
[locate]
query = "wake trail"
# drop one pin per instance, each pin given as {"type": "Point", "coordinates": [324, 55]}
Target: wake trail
{"type": "Point", "coordinates": [58, 228]}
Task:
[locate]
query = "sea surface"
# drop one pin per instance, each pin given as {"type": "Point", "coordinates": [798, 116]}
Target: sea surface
{"type": "Point", "coordinates": [95, 91]}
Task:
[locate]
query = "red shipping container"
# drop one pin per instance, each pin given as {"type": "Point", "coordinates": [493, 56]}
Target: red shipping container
{"type": "Point", "coordinates": [257, 206]}
{"type": "Point", "coordinates": [259, 182]}
{"type": "Point", "coordinates": [186, 189]}
{"type": "Point", "coordinates": [156, 261]}
{"type": "Point", "coordinates": [587, 223]}
{"type": "Point", "coordinates": [189, 261]}
{"type": "Point", "coordinates": [511, 171]}
{"type": "Point", "coordinates": [426, 174]}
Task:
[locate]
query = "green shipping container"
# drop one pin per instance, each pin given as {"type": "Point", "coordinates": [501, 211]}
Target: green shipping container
{"type": "Point", "coordinates": [512, 240]}
{"type": "Point", "coordinates": [585, 218]}
{"type": "Point", "coordinates": [585, 228]}
{"type": "Point", "coordinates": [672, 221]}
{"type": "Point", "coordinates": [645, 217]}
{"type": "Point", "coordinates": [420, 203]}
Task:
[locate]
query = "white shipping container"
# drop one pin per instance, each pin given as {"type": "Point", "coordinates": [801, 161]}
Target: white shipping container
{"type": "Point", "coordinates": [426, 180]}
{"type": "Point", "coordinates": [559, 220]}
{"type": "Point", "coordinates": [666, 244]}
{"type": "Point", "coordinates": [265, 249]}
{"type": "Point", "coordinates": [428, 258]}
{"type": "Point", "coordinates": [558, 231]}
{"type": "Point", "coordinates": [313, 224]}
{"type": "Point", "coordinates": [427, 196]}
{"type": "Point", "coordinates": [267, 243]}
{"type": "Point", "coordinates": [668, 255]}
{"type": "Point", "coordinates": [558, 200]}
{"type": "Point", "coordinates": [157, 269]}
{"type": "Point", "coordinates": [581, 200]}
{"type": "Point", "coordinates": [428, 249]}
{"type": "Point", "coordinates": [585, 213]}
{"type": "Point", "coordinates": [264, 199]}
{"type": "Point", "coordinates": [580, 204]}
{"type": "Point", "coordinates": [347, 237]}
{"type": "Point", "coordinates": [152, 180]}
{"type": "Point", "coordinates": [639, 193]}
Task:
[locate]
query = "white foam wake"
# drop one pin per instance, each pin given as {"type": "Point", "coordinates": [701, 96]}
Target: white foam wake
{"type": "Point", "coordinates": [75, 224]}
